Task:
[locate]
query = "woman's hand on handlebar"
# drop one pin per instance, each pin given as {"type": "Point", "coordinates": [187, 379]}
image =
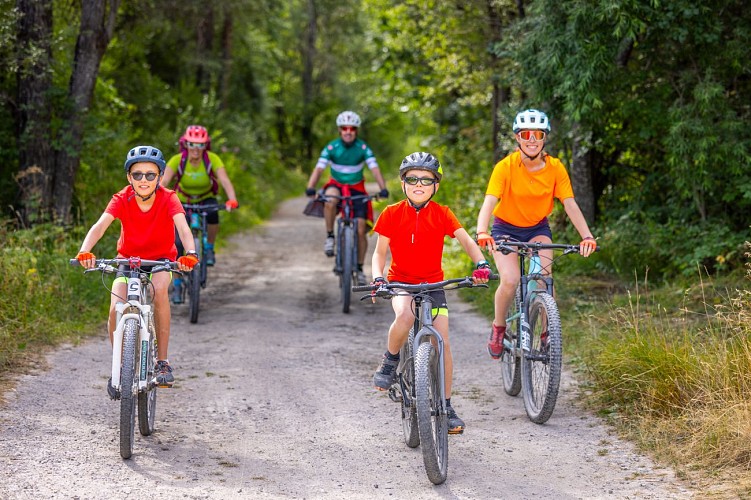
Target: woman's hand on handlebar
{"type": "Point", "coordinates": [484, 240]}
{"type": "Point", "coordinates": [587, 246]}
{"type": "Point", "coordinates": [86, 259]}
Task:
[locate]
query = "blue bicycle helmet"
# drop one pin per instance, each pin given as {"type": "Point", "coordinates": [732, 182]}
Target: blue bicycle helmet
{"type": "Point", "coordinates": [421, 161]}
{"type": "Point", "coordinates": [145, 153]}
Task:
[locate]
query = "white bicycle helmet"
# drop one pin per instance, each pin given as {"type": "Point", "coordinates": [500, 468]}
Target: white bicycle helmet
{"type": "Point", "coordinates": [348, 118]}
{"type": "Point", "coordinates": [531, 119]}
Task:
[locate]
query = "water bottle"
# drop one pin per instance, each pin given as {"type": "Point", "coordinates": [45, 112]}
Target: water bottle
{"type": "Point", "coordinates": [195, 221]}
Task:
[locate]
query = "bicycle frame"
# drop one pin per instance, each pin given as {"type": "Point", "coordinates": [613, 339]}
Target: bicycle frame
{"type": "Point", "coordinates": [426, 331]}
{"type": "Point", "coordinates": [138, 308]}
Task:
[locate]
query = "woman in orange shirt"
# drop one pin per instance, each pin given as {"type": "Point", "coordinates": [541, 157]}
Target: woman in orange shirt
{"type": "Point", "coordinates": [520, 196]}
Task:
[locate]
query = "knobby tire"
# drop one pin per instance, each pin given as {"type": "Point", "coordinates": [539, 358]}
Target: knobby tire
{"type": "Point", "coordinates": [347, 267]}
{"type": "Point", "coordinates": [541, 367]}
{"type": "Point", "coordinates": [195, 284]}
{"type": "Point", "coordinates": [431, 421]}
{"type": "Point", "coordinates": [409, 411]}
{"type": "Point", "coordinates": [127, 390]}
{"type": "Point", "coordinates": [510, 361]}
{"type": "Point", "coordinates": [147, 398]}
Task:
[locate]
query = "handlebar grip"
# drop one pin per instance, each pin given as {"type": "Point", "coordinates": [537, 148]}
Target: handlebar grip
{"type": "Point", "coordinates": [74, 262]}
{"type": "Point", "coordinates": [364, 288]}
{"type": "Point", "coordinates": [494, 277]}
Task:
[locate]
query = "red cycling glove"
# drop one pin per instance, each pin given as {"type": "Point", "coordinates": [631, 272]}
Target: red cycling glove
{"type": "Point", "coordinates": [188, 261]}
{"type": "Point", "coordinates": [485, 241]}
{"type": "Point", "coordinates": [231, 205]}
{"type": "Point", "coordinates": [84, 256]}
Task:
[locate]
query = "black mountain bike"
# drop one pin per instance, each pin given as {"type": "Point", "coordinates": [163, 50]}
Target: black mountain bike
{"type": "Point", "coordinates": [134, 345]}
{"type": "Point", "coordinates": [420, 373]}
{"type": "Point", "coordinates": [196, 215]}
{"type": "Point", "coordinates": [533, 357]}
{"type": "Point", "coordinates": [345, 265]}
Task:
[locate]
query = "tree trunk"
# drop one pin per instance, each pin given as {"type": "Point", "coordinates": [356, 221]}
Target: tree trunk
{"type": "Point", "coordinates": [308, 90]}
{"type": "Point", "coordinates": [34, 78]}
{"type": "Point", "coordinates": [581, 172]}
{"type": "Point", "coordinates": [499, 96]}
{"type": "Point", "coordinates": [97, 24]}
{"type": "Point", "coordinates": [204, 47]}
{"type": "Point", "coordinates": [227, 28]}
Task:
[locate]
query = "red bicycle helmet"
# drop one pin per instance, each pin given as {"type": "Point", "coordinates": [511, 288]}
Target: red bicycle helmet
{"type": "Point", "coordinates": [196, 133]}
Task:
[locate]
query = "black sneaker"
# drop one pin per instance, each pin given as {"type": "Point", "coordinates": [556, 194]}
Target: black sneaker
{"type": "Point", "coordinates": [456, 424]}
{"type": "Point", "coordinates": [385, 376]}
{"type": "Point", "coordinates": [163, 372]}
{"type": "Point", "coordinates": [113, 393]}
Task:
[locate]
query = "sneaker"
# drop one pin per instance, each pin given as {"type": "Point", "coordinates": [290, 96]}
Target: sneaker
{"type": "Point", "coordinates": [177, 291]}
{"type": "Point", "coordinates": [456, 424]}
{"type": "Point", "coordinates": [495, 342]}
{"type": "Point", "coordinates": [328, 246]}
{"type": "Point", "coordinates": [361, 278]}
{"type": "Point", "coordinates": [385, 377]}
{"type": "Point", "coordinates": [113, 393]}
{"type": "Point", "coordinates": [163, 372]}
{"type": "Point", "coordinates": [208, 258]}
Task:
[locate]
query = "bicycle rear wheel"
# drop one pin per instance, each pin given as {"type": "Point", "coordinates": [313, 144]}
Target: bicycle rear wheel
{"type": "Point", "coordinates": [127, 389]}
{"type": "Point", "coordinates": [511, 370]}
{"type": "Point", "coordinates": [195, 285]}
{"type": "Point", "coordinates": [432, 422]}
{"type": "Point", "coordinates": [407, 385]}
{"type": "Point", "coordinates": [346, 242]}
{"type": "Point", "coordinates": [147, 397]}
{"type": "Point", "coordinates": [541, 366]}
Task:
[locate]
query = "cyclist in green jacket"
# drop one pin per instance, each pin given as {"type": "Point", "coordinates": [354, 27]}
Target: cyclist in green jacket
{"type": "Point", "coordinates": [347, 157]}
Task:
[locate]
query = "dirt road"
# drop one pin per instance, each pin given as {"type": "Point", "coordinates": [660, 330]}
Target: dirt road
{"type": "Point", "coordinates": [274, 400]}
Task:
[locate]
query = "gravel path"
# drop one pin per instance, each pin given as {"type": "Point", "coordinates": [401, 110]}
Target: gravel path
{"type": "Point", "coordinates": [274, 400]}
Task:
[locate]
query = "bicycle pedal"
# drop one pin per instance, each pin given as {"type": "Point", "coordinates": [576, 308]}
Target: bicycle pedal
{"type": "Point", "coordinates": [394, 395]}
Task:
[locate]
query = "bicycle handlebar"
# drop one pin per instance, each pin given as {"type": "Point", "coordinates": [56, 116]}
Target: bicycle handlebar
{"type": "Point", "coordinates": [325, 197]}
{"type": "Point", "coordinates": [385, 289]}
{"type": "Point", "coordinates": [111, 265]}
{"type": "Point", "coordinates": [506, 246]}
{"type": "Point", "coordinates": [204, 208]}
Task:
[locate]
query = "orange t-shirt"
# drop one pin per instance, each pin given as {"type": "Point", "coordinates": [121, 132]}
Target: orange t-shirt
{"type": "Point", "coordinates": [416, 240]}
{"type": "Point", "coordinates": [526, 198]}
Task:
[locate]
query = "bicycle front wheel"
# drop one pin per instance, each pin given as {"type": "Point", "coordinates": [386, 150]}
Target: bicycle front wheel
{"type": "Point", "coordinates": [432, 422]}
{"type": "Point", "coordinates": [511, 370]}
{"type": "Point", "coordinates": [147, 397]}
{"type": "Point", "coordinates": [407, 385]}
{"type": "Point", "coordinates": [541, 366]}
{"type": "Point", "coordinates": [346, 242]}
{"type": "Point", "coordinates": [128, 389]}
{"type": "Point", "coordinates": [195, 286]}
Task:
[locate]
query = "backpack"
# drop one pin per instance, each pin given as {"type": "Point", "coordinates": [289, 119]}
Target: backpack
{"type": "Point", "coordinates": [206, 162]}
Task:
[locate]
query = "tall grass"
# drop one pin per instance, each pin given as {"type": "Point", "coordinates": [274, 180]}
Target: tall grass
{"type": "Point", "coordinates": [673, 372]}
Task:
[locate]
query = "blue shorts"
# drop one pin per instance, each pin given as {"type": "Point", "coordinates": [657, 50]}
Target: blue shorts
{"type": "Point", "coordinates": [502, 228]}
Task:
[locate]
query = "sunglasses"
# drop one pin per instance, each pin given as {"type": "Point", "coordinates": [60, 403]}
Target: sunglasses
{"type": "Point", "coordinates": [198, 145]}
{"type": "Point", "coordinates": [527, 135]}
{"type": "Point", "coordinates": [348, 129]}
{"type": "Point", "coordinates": [150, 176]}
{"type": "Point", "coordinates": [425, 181]}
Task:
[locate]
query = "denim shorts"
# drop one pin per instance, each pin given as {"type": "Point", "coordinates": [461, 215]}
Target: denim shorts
{"type": "Point", "coordinates": [502, 228]}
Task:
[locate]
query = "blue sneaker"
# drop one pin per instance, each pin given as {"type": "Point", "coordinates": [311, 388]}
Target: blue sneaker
{"type": "Point", "coordinates": [163, 372]}
{"type": "Point", "coordinates": [177, 291]}
{"type": "Point", "coordinates": [208, 258]}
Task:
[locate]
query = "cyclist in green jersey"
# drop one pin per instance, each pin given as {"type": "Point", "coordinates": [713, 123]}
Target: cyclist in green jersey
{"type": "Point", "coordinates": [347, 157]}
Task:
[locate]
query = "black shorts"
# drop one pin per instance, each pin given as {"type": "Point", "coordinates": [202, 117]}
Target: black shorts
{"type": "Point", "coordinates": [502, 228]}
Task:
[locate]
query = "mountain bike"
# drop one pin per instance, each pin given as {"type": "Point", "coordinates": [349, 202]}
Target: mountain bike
{"type": "Point", "coordinates": [345, 265]}
{"type": "Point", "coordinates": [420, 373]}
{"type": "Point", "coordinates": [532, 355]}
{"type": "Point", "coordinates": [134, 345]}
{"type": "Point", "coordinates": [196, 215]}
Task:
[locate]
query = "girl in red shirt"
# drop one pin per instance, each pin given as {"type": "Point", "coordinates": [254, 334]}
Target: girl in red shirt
{"type": "Point", "coordinates": [148, 215]}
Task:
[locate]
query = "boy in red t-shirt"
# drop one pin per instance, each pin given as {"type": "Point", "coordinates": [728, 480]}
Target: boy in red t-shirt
{"type": "Point", "coordinates": [149, 215]}
{"type": "Point", "coordinates": [414, 230]}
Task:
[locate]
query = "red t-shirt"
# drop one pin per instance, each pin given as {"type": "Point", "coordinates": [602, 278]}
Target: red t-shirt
{"type": "Point", "coordinates": [416, 240]}
{"type": "Point", "coordinates": [151, 234]}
